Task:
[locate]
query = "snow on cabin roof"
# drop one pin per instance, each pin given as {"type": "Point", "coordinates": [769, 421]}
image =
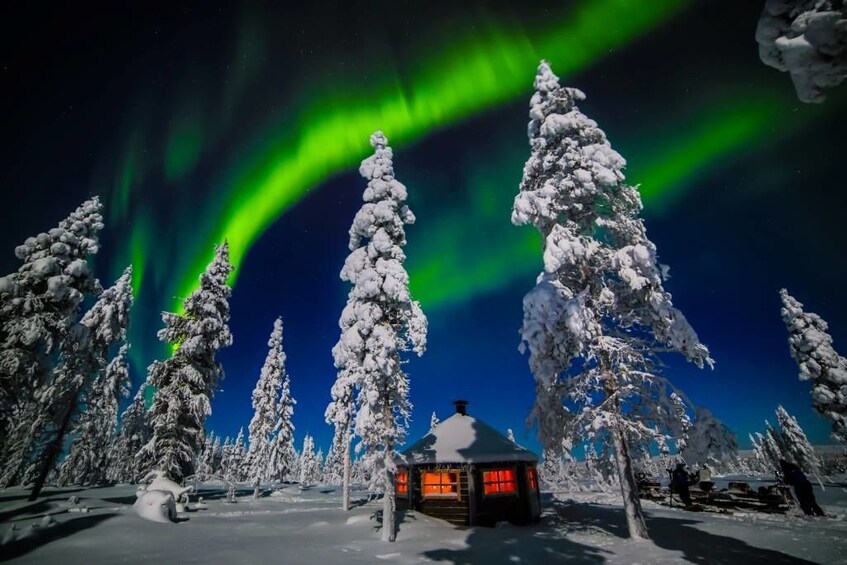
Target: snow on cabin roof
{"type": "Point", "coordinates": [464, 439]}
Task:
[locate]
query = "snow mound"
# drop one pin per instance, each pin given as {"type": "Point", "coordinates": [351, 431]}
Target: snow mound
{"type": "Point", "coordinates": [156, 505]}
{"type": "Point", "coordinates": [163, 483]}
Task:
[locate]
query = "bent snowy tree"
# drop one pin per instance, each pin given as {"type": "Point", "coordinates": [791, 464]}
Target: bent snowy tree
{"type": "Point", "coordinates": [811, 346]}
{"type": "Point", "coordinates": [598, 313]}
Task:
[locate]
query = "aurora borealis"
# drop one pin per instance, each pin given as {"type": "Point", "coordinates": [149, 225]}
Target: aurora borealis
{"type": "Point", "coordinates": [248, 123]}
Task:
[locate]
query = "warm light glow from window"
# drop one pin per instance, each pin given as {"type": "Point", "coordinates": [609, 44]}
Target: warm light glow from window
{"type": "Point", "coordinates": [441, 483]}
{"type": "Point", "coordinates": [532, 478]}
{"type": "Point", "coordinates": [499, 481]}
{"type": "Point", "coordinates": [403, 483]}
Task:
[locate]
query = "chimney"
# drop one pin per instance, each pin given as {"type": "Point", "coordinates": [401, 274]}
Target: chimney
{"type": "Point", "coordinates": [461, 407]}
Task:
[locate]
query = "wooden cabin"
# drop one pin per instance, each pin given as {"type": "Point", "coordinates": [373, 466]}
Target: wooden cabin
{"type": "Point", "coordinates": [466, 472]}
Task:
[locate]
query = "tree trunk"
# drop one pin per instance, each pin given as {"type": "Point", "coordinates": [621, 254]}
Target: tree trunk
{"type": "Point", "coordinates": [345, 480]}
{"type": "Point", "coordinates": [54, 447]}
{"type": "Point", "coordinates": [629, 488]}
{"type": "Point", "coordinates": [623, 462]}
{"type": "Point", "coordinates": [389, 500]}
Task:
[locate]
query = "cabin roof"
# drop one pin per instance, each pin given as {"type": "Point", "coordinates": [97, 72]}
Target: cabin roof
{"type": "Point", "coordinates": [464, 439]}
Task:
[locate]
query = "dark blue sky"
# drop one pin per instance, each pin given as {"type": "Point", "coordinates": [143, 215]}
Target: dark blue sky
{"type": "Point", "coordinates": [745, 223]}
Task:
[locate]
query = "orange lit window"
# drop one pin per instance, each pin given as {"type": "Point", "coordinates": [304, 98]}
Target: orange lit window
{"type": "Point", "coordinates": [441, 483]}
{"type": "Point", "coordinates": [499, 481]}
{"type": "Point", "coordinates": [532, 478]}
{"type": "Point", "coordinates": [403, 483]}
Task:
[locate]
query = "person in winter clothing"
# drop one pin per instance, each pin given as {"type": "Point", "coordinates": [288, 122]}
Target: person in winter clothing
{"type": "Point", "coordinates": [679, 483]}
{"type": "Point", "coordinates": [792, 475]}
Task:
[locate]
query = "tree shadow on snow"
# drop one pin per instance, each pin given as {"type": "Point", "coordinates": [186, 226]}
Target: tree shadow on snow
{"type": "Point", "coordinates": [674, 534]}
{"type": "Point", "coordinates": [698, 546]}
{"type": "Point", "coordinates": [48, 493]}
{"type": "Point", "coordinates": [536, 543]}
{"type": "Point", "coordinates": [31, 540]}
{"type": "Point", "coordinates": [356, 503]}
{"type": "Point", "coordinates": [129, 499]}
{"type": "Point", "coordinates": [400, 516]}
{"type": "Point", "coordinates": [35, 509]}
{"type": "Point", "coordinates": [585, 518]}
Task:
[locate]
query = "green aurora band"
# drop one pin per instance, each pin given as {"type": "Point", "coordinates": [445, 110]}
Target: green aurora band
{"type": "Point", "coordinates": [469, 75]}
{"type": "Point", "coordinates": [479, 71]}
{"type": "Point", "coordinates": [441, 270]}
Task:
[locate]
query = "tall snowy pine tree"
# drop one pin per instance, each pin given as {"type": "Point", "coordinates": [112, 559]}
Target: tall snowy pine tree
{"type": "Point", "coordinates": [811, 347]}
{"type": "Point", "coordinates": [265, 399]}
{"type": "Point", "coordinates": [186, 382]}
{"type": "Point", "coordinates": [81, 380]}
{"type": "Point", "coordinates": [283, 455]}
{"type": "Point", "coordinates": [600, 297]}
{"type": "Point", "coordinates": [87, 460]}
{"type": "Point", "coordinates": [134, 432]}
{"type": "Point", "coordinates": [39, 310]}
{"type": "Point", "coordinates": [379, 322]}
{"type": "Point", "coordinates": [309, 464]}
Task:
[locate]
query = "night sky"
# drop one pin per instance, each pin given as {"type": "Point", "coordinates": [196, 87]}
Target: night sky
{"type": "Point", "coordinates": [249, 121]}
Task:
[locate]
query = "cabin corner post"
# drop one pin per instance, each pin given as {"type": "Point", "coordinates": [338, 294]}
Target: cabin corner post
{"type": "Point", "coordinates": [472, 495]}
{"type": "Point", "coordinates": [410, 490]}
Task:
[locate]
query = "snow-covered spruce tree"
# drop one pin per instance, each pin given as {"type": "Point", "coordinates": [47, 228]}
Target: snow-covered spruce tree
{"type": "Point", "coordinates": [88, 459]}
{"type": "Point", "coordinates": [134, 432]}
{"type": "Point", "coordinates": [205, 466]}
{"type": "Point", "coordinates": [81, 382]}
{"type": "Point", "coordinates": [239, 454]}
{"type": "Point", "coordinates": [710, 442]}
{"type": "Point", "coordinates": [39, 312]}
{"type": "Point", "coordinates": [342, 409]}
{"type": "Point", "coordinates": [333, 470]}
{"type": "Point", "coordinates": [185, 383]}
{"type": "Point", "coordinates": [771, 453]}
{"type": "Point", "coordinates": [309, 463]}
{"type": "Point", "coordinates": [283, 455]}
{"type": "Point", "coordinates": [599, 310]}
{"type": "Point", "coordinates": [226, 459]}
{"type": "Point", "coordinates": [761, 458]}
{"type": "Point", "coordinates": [88, 456]}
{"type": "Point", "coordinates": [811, 347]}
{"type": "Point", "coordinates": [433, 421]}
{"type": "Point", "coordinates": [265, 399]}
{"type": "Point", "coordinates": [320, 464]}
{"type": "Point", "coordinates": [778, 440]}
{"type": "Point", "coordinates": [379, 323]}
{"type": "Point", "coordinates": [797, 445]}
{"type": "Point", "coordinates": [808, 40]}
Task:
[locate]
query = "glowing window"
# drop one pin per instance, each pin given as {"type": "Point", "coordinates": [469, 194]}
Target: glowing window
{"type": "Point", "coordinates": [532, 478]}
{"type": "Point", "coordinates": [441, 483]}
{"type": "Point", "coordinates": [499, 481]}
{"type": "Point", "coordinates": [403, 484]}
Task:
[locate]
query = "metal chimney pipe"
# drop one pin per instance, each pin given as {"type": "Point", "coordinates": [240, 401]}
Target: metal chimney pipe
{"type": "Point", "coordinates": [461, 407]}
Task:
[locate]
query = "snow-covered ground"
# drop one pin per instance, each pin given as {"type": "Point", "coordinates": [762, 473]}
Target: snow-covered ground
{"type": "Point", "coordinates": [294, 526]}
